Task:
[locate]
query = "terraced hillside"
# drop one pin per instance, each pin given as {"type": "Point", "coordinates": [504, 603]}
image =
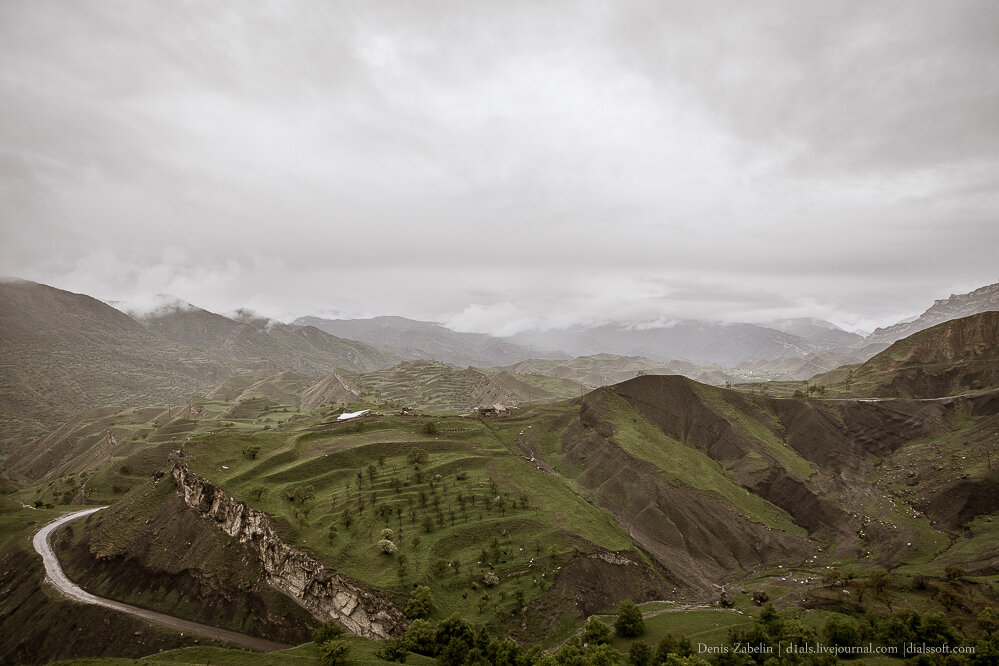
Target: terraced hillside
{"type": "Point", "coordinates": [434, 387]}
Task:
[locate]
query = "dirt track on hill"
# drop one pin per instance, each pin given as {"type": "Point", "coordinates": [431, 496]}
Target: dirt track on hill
{"type": "Point", "coordinates": [55, 575]}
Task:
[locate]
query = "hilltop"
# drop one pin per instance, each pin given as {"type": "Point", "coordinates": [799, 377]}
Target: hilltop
{"type": "Point", "coordinates": [605, 369]}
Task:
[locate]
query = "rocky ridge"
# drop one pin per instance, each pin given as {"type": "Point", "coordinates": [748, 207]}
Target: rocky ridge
{"type": "Point", "coordinates": [956, 306]}
{"type": "Point", "coordinates": [294, 571]}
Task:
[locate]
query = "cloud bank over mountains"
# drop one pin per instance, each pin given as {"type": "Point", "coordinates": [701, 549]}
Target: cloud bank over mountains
{"type": "Point", "coordinates": [502, 167]}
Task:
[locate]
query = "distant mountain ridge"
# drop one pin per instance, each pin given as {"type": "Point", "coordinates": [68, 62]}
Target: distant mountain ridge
{"type": "Point", "coordinates": [818, 331]}
{"type": "Point", "coordinates": [956, 306]}
{"type": "Point", "coordinates": [423, 340]}
{"type": "Point", "coordinates": [254, 342]}
{"type": "Point", "coordinates": [62, 353]}
{"type": "Point", "coordinates": [607, 369]}
{"type": "Point", "coordinates": [699, 342]}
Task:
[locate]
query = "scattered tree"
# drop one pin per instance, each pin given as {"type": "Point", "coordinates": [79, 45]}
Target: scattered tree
{"type": "Point", "coordinates": [953, 574]}
{"type": "Point", "coordinates": [417, 456]}
{"type": "Point", "coordinates": [329, 631]}
{"type": "Point", "coordinates": [334, 653]}
{"type": "Point", "coordinates": [640, 654]}
{"type": "Point", "coordinates": [301, 494]}
{"type": "Point", "coordinates": [438, 566]}
{"type": "Point", "coordinates": [420, 603]}
{"type": "Point", "coordinates": [878, 580]}
{"type": "Point", "coordinates": [595, 632]}
{"type": "Point", "coordinates": [947, 597]}
{"type": "Point", "coordinates": [393, 649]}
{"type": "Point", "coordinates": [629, 622]}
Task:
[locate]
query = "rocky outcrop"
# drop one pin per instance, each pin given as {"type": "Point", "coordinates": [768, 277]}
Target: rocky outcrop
{"type": "Point", "coordinates": [294, 571]}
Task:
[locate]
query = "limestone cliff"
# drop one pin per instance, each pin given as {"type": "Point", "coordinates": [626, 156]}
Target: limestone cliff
{"type": "Point", "coordinates": [296, 572]}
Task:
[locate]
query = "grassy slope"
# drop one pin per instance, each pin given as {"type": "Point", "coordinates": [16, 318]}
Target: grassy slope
{"type": "Point", "coordinates": [684, 465]}
{"type": "Point", "coordinates": [757, 424]}
{"type": "Point", "coordinates": [555, 520]}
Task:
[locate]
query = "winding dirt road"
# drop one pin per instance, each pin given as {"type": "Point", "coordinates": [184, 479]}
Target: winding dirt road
{"type": "Point", "coordinates": [55, 575]}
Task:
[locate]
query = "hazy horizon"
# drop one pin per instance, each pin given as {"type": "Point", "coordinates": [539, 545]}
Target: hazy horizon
{"type": "Point", "coordinates": [498, 167]}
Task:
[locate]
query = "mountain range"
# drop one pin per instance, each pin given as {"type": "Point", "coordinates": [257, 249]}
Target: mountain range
{"type": "Point", "coordinates": [416, 340]}
{"type": "Point", "coordinates": [64, 352]}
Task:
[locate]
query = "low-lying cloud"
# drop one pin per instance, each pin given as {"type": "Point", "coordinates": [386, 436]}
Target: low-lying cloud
{"type": "Point", "coordinates": [503, 166]}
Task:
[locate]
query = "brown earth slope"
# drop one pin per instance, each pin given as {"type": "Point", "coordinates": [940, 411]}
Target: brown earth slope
{"type": "Point", "coordinates": [813, 460]}
{"type": "Point", "coordinates": [955, 357]}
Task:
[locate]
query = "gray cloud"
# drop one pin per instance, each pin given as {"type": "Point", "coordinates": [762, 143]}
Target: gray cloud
{"type": "Point", "coordinates": [504, 165]}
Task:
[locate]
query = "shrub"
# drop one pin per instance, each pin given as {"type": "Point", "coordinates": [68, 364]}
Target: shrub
{"type": "Point", "coordinates": [595, 632]}
{"type": "Point", "coordinates": [420, 603]}
{"type": "Point", "coordinates": [417, 456]}
{"type": "Point", "coordinates": [454, 639]}
{"type": "Point", "coordinates": [393, 650]}
{"type": "Point", "coordinates": [954, 573]}
{"type": "Point", "coordinates": [988, 621]}
{"type": "Point", "coordinates": [387, 546]}
{"type": "Point", "coordinates": [490, 579]}
{"type": "Point", "coordinates": [629, 622]}
{"type": "Point", "coordinates": [328, 632]}
{"type": "Point", "coordinates": [334, 653]}
{"type": "Point", "coordinates": [640, 654]}
{"type": "Point", "coordinates": [841, 633]}
{"type": "Point", "coordinates": [420, 637]}
{"type": "Point", "coordinates": [301, 493]}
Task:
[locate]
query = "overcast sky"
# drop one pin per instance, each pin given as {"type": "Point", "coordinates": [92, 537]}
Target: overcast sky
{"type": "Point", "coordinates": [501, 165]}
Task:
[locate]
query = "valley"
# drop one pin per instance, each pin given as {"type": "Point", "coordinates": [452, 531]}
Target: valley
{"type": "Point", "coordinates": [860, 496]}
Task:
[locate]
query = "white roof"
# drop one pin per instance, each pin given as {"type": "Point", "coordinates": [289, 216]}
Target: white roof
{"type": "Point", "coordinates": [352, 415]}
